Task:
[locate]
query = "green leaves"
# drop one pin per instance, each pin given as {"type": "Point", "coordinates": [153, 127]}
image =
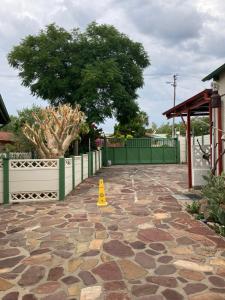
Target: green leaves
{"type": "Point", "coordinates": [101, 69]}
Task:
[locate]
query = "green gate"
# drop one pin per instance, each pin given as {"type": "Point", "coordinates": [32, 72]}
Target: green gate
{"type": "Point", "coordinates": [141, 151]}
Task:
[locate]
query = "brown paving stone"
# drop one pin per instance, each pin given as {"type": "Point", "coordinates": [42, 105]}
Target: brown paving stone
{"type": "Point", "coordinates": [165, 270]}
{"type": "Point", "coordinates": [138, 245]}
{"type": "Point", "coordinates": [166, 281]}
{"type": "Point", "coordinates": [144, 289]}
{"type": "Point", "coordinates": [145, 260]}
{"type": "Point", "coordinates": [131, 270]}
{"type": "Point", "coordinates": [47, 288]}
{"type": "Point", "coordinates": [108, 271]}
{"type": "Point", "coordinates": [191, 275]}
{"type": "Point", "coordinates": [207, 296]}
{"type": "Point", "coordinates": [157, 246]}
{"type": "Point", "coordinates": [10, 262]}
{"type": "Point", "coordinates": [89, 264]}
{"type": "Point", "coordinates": [8, 252]}
{"type": "Point", "coordinates": [154, 235]}
{"type": "Point", "coordinates": [29, 297]}
{"type": "Point", "coordinates": [87, 278]}
{"type": "Point", "coordinates": [217, 281]}
{"type": "Point", "coordinates": [32, 276]}
{"type": "Point", "coordinates": [11, 296]}
{"type": "Point", "coordinates": [165, 259]}
{"type": "Point", "coordinates": [116, 248]}
{"type": "Point", "coordinates": [193, 288]}
{"type": "Point", "coordinates": [114, 285]}
{"type": "Point", "coordinates": [172, 295]}
{"type": "Point", "coordinates": [55, 273]}
{"type": "Point", "coordinates": [57, 296]}
{"type": "Point", "coordinates": [117, 296]}
{"type": "Point", "coordinates": [70, 280]}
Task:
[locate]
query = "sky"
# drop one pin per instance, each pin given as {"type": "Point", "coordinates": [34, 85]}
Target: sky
{"type": "Point", "coordinates": [183, 37]}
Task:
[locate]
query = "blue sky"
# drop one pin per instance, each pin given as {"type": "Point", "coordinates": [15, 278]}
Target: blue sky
{"type": "Point", "coordinates": [181, 36]}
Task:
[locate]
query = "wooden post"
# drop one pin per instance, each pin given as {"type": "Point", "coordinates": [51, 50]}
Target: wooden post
{"type": "Point", "coordinates": [210, 132]}
{"type": "Point", "coordinates": [219, 125]}
{"type": "Point", "coordinates": [189, 149]}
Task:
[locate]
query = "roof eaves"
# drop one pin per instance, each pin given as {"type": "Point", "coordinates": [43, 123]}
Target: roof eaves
{"type": "Point", "coordinates": [215, 74]}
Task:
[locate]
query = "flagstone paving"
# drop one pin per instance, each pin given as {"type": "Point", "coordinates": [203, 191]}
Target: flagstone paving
{"type": "Point", "coordinates": [141, 246]}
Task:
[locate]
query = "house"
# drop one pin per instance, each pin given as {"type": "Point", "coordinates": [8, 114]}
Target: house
{"type": "Point", "coordinates": [218, 116]}
{"type": "Point", "coordinates": [6, 138]}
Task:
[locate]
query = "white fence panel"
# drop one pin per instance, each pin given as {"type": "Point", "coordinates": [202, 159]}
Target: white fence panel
{"type": "Point", "coordinates": [77, 171]}
{"type": "Point", "coordinates": [33, 180]}
{"type": "Point", "coordinates": [183, 149]}
{"type": "Point", "coordinates": [200, 166]}
{"type": "Point", "coordinates": [94, 162]}
{"type": "Point", "coordinates": [85, 166]}
{"type": "Point", "coordinates": [97, 160]}
{"type": "Point", "coordinates": [100, 158]}
{"type": "Point", "coordinates": [68, 176]}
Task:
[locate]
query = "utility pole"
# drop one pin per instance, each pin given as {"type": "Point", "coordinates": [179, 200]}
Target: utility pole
{"type": "Point", "coordinates": [174, 84]}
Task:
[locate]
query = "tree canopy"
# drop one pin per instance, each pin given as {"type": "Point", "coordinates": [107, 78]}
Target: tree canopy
{"type": "Point", "coordinates": [100, 69]}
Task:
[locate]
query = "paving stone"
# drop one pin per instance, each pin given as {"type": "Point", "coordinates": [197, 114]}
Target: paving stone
{"type": "Point", "coordinates": [137, 245]}
{"type": "Point", "coordinates": [191, 275]}
{"type": "Point", "coordinates": [47, 288]}
{"type": "Point", "coordinates": [113, 227]}
{"type": "Point", "coordinates": [217, 261]}
{"type": "Point", "coordinates": [117, 296]}
{"type": "Point", "coordinates": [145, 260]}
{"type": "Point", "coordinates": [91, 293]}
{"type": "Point", "coordinates": [101, 235]}
{"type": "Point", "coordinates": [154, 235]}
{"type": "Point", "coordinates": [163, 281]}
{"type": "Point", "coordinates": [63, 254]}
{"type": "Point", "coordinates": [193, 288]}
{"type": "Point", "coordinates": [108, 271]}
{"type": "Point", "coordinates": [96, 244]}
{"type": "Point", "coordinates": [172, 295]}
{"type": "Point", "coordinates": [144, 289]}
{"type": "Point", "coordinates": [5, 285]}
{"type": "Point", "coordinates": [82, 247]}
{"type": "Point", "coordinates": [9, 252]}
{"type": "Point", "coordinates": [157, 246]}
{"type": "Point", "coordinates": [57, 296]}
{"type": "Point", "coordinates": [185, 264]}
{"type": "Point", "coordinates": [165, 270]}
{"type": "Point", "coordinates": [165, 259]}
{"type": "Point", "coordinates": [185, 241]}
{"type": "Point", "coordinates": [29, 297]}
{"type": "Point", "coordinates": [217, 281]}
{"type": "Point", "coordinates": [37, 259]}
{"type": "Point", "coordinates": [74, 264]}
{"type": "Point", "coordinates": [152, 297]}
{"type": "Point", "coordinates": [131, 270]}
{"type": "Point", "coordinates": [114, 286]}
{"type": "Point", "coordinates": [10, 262]}
{"type": "Point", "coordinates": [89, 264]}
{"type": "Point", "coordinates": [70, 280]}
{"type": "Point", "coordinates": [32, 276]}
{"type": "Point", "coordinates": [207, 296]}
{"type": "Point", "coordinates": [74, 290]}
{"type": "Point", "coordinates": [182, 250]}
{"type": "Point", "coordinates": [90, 253]}
{"type": "Point", "coordinates": [11, 296]}
{"type": "Point", "coordinates": [87, 278]}
{"type": "Point", "coordinates": [55, 273]}
{"type": "Point", "coordinates": [116, 248]}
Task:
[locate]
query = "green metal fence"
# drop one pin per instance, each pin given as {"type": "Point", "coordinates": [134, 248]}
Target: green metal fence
{"type": "Point", "coordinates": [141, 151]}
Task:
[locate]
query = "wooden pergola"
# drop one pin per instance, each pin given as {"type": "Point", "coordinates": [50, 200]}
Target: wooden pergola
{"type": "Point", "coordinates": [198, 105]}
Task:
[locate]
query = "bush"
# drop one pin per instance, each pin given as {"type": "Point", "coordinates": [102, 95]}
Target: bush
{"type": "Point", "coordinates": [193, 208]}
{"type": "Point", "coordinates": [214, 191]}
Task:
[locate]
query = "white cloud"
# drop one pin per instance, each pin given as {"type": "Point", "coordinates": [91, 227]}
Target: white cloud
{"type": "Point", "coordinates": [184, 37]}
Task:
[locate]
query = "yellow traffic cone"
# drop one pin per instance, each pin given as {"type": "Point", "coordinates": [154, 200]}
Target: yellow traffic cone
{"type": "Point", "coordinates": [101, 194]}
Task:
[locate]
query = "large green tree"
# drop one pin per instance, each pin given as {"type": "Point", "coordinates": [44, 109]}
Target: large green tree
{"type": "Point", "coordinates": [100, 68]}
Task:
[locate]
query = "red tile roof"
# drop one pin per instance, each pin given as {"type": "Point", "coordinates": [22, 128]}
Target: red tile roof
{"type": "Point", "coordinates": [6, 136]}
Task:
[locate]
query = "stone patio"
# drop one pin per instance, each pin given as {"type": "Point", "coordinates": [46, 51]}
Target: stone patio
{"type": "Point", "coordinates": [141, 246]}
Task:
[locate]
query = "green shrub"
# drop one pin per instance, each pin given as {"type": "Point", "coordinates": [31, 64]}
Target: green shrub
{"type": "Point", "coordinates": [193, 208]}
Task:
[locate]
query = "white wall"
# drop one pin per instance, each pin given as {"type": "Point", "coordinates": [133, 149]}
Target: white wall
{"type": "Point", "coordinates": [97, 160]}
{"type": "Point", "coordinates": [94, 162]}
{"type": "Point", "coordinates": [183, 149]}
{"type": "Point", "coordinates": [68, 176]}
{"type": "Point", "coordinates": [33, 179]}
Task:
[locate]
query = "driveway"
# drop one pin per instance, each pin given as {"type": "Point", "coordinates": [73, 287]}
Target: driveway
{"type": "Point", "coordinates": [141, 246]}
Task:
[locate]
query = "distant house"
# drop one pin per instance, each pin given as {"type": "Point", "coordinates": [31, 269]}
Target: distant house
{"type": "Point", "coordinates": [6, 138]}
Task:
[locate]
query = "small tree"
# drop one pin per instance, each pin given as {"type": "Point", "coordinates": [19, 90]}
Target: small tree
{"type": "Point", "coordinates": [54, 129]}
